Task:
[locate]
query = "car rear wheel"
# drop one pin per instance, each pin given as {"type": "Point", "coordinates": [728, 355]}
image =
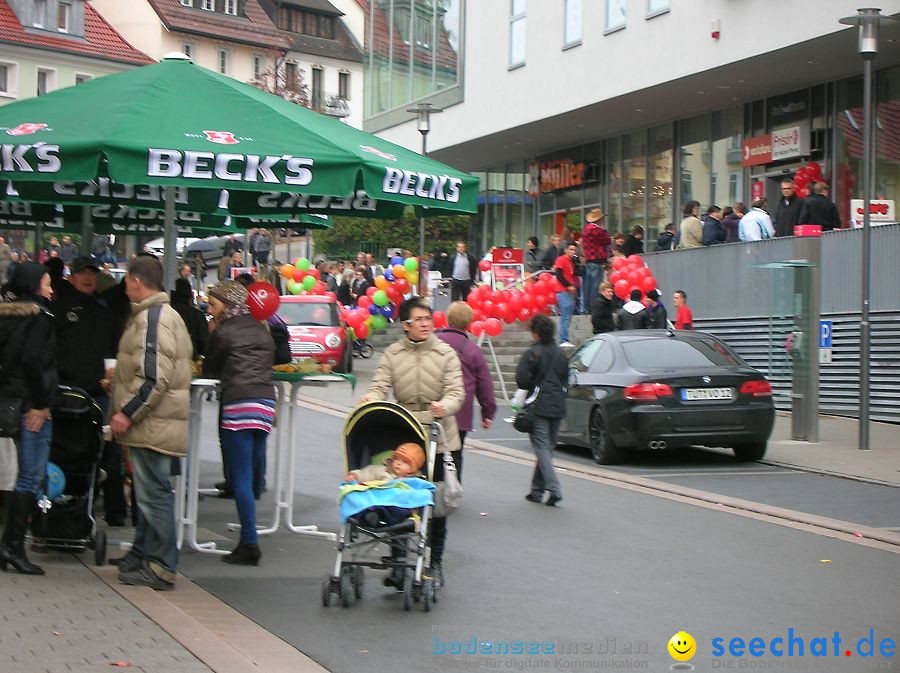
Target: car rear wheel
{"type": "Point", "coordinates": [745, 452]}
{"type": "Point", "coordinates": [602, 447]}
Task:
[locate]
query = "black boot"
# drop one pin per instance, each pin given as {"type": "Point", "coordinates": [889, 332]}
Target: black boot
{"type": "Point", "coordinates": [438, 537]}
{"type": "Point", "coordinates": [244, 555]}
{"type": "Point", "coordinates": [12, 545]}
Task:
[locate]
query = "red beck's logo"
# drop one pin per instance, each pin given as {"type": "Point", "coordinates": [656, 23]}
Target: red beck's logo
{"type": "Point", "coordinates": [25, 129]}
{"type": "Point", "coordinates": [375, 150]}
{"type": "Point", "coordinates": [221, 137]}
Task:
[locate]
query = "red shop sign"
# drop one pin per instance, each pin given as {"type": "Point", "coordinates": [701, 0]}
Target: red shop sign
{"type": "Point", "coordinates": [508, 256]}
{"type": "Point", "coordinates": [756, 151]}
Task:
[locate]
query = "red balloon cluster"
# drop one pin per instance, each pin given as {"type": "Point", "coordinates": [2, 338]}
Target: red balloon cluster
{"type": "Point", "coordinates": [805, 175]}
{"type": "Point", "coordinates": [492, 308]}
{"type": "Point", "coordinates": [629, 273]}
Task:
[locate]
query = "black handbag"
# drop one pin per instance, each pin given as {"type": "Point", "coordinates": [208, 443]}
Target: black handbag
{"type": "Point", "coordinates": [524, 420]}
{"type": "Point", "coordinates": [10, 416]}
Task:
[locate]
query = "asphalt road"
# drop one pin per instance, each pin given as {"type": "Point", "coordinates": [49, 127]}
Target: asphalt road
{"type": "Point", "coordinates": [604, 580]}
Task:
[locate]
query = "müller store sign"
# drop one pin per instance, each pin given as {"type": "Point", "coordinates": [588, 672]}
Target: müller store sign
{"type": "Point", "coordinates": [549, 176]}
{"type": "Point", "coordinates": [781, 144]}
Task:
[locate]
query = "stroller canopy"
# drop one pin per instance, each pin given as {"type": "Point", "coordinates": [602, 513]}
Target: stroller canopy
{"type": "Point", "coordinates": [376, 428]}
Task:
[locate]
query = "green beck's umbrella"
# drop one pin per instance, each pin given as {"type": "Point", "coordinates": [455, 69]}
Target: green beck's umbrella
{"type": "Point", "coordinates": [175, 124]}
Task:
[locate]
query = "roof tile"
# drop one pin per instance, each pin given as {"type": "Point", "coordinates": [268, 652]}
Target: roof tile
{"type": "Point", "coordinates": [254, 27]}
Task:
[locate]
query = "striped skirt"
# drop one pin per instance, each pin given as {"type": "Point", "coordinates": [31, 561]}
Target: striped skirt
{"type": "Point", "coordinates": [249, 415]}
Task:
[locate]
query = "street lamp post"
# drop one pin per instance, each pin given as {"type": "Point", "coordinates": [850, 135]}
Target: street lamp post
{"type": "Point", "coordinates": [867, 20]}
{"type": "Point", "coordinates": [423, 112]}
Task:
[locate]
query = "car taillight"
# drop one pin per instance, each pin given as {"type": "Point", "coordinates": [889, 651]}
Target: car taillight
{"type": "Point", "coordinates": [647, 392]}
{"type": "Point", "coordinates": [757, 388]}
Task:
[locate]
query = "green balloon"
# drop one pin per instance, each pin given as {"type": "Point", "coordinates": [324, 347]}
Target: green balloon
{"type": "Point", "coordinates": [380, 298]}
{"type": "Point", "coordinates": [410, 263]}
{"type": "Point", "coordinates": [295, 288]}
{"type": "Point", "coordinates": [379, 322]}
{"type": "Point", "coordinates": [309, 282]}
{"type": "Point", "coordinates": [303, 264]}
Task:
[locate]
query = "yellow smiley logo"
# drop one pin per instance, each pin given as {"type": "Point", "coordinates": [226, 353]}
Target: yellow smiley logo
{"type": "Point", "coordinates": [682, 646]}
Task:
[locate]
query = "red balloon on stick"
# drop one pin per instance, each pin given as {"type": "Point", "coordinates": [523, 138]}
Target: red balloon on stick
{"type": "Point", "coordinates": [476, 327]}
{"type": "Point", "coordinates": [484, 265]}
{"type": "Point", "coordinates": [362, 331]}
{"type": "Point", "coordinates": [493, 327]}
{"type": "Point", "coordinates": [262, 300]}
{"type": "Point", "coordinates": [440, 319]}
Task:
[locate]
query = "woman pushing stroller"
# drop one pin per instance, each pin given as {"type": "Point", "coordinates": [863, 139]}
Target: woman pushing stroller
{"type": "Point", "coordinates": [426, 378]}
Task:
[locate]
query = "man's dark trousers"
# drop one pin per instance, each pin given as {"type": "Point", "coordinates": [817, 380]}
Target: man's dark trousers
{"type": "Point", "coordinates": [459, 289]}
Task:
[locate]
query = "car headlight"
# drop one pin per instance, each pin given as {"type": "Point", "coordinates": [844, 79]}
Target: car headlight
{"type": "Point", "coordinates": [332, 341]}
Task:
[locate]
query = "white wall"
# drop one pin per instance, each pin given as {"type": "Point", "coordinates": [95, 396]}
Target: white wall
{"type": "Point", "coordinates": [646, 53]}
{"type": "Point", "coordinates": [331, 68]}
{"type": "Point", "coordinates": [354, 17]}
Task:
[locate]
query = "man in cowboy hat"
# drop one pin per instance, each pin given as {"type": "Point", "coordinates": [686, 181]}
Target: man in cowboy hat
{"type": "Point", "coordinates": [595, 242]}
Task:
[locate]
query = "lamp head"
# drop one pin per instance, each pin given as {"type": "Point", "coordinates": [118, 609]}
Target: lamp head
{"type": "Point", "coordinates": [867, 20]}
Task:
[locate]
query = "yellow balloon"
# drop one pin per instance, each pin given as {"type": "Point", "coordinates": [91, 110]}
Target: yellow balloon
{"type": "Point", "coordinates": [412, 277]}
{"type": "Point", "coordinates": [399, 271]}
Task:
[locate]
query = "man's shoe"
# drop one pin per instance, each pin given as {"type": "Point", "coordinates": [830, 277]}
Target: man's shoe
{"type": "Point", "coordinates": [552, 500]}
{"type": "Point", "coordinates": [533, 498]}
{"type": "Point", "coordinates": [567, 344]}
{"type": "Point", "coordinates": [244, 555]}
{"type": "Point", "coordinates": [127, 563]}
{"type": "Point", "coordinates": [142, 576]}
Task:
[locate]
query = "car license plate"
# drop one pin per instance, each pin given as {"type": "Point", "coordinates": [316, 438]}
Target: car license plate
{"type": "Point", "coordinates": [692, 394]}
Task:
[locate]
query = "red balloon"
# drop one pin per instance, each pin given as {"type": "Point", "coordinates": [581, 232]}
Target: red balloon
{"type": "Point", "coordinates": [299, 275]}
{"type": "Point", "coordinates": [644, 271]}
{"type": "Point", "coordinates": [635, 259]}
{"type": "Point", "coordinates": [510, 316]}
{"type": "Point", "coordinates": [364, 302]}
{"type": "Point", "coordinates": [362, 331]}
{"type": "Point", "coordinates": [619, 262]}
{"type": "Point", "coordinates": [331, 295]}
{"type": "Point", "coordinates": [648, 283]}
{"type": "Point", "coordinates": [488, 307]}
{"type": "Point", "coordinates": [371, 290]}
{"type": "Point", "coordinates": [500, 310]}
{"type": "Point", "coordinates": [478, 315]}
{"type": "Point", "coordinates": [621, 289]}
{"type": "Point", "coordinates": [314, 272]}
{"type": "Point", "coordinates": [474, 300]}
{"type": "Point", "coordinates": [476, 327]}
{"type": "Point", "coordinates": [394, 294]}
{"type": "Point", "coordinates": [493, 327]}
{"type": "Point", "coordinates": [615, 277]}
{"type": "Point", "coordinates": [262, 299]}
{"type": "Point", "coordinates": [440, 319]}
{"type": "Point", "coordinates": [524, 314]}
{"type": "Point", "coordinates": [484, 265]}
{"type": "Point", "coordinates": [551, 299]}
{"type": "Point", "coordinates": [318, 288]}
{"type": "Point", "coordinates": [402, 285]}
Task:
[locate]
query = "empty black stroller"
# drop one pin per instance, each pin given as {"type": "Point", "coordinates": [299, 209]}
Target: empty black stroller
{"type": "Point", "coordinates": [371, 434]}
{"type": "Point", "coordinates": [66, 521]}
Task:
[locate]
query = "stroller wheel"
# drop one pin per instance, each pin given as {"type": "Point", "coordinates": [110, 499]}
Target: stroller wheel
{"type": "Point", "coordinates": [359, 580]}
{"type": "Point", "coordinates": [408, 597]}
{"type": "Point", "coordinates": [346, 590]}
{"type": "Point", "coordinates": [326, 591]}
{"type": "Point", "coordinates": [427, 595]}
{"type": "Point", "coordinates": [100, 548]}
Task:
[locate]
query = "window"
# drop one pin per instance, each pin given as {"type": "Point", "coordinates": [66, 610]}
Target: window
{"type": "Point", "coordinates": [647, 354]}
{"type": "Point", "coordinates": [306, 23]}
{"type": "Point", "coordinates": [257, 66]}
{"type": "Point", "coordinates": [81, 79]}
{"type": "Point", "coordinates": [40, 14]}
{"type": "Point", "coordinates": [8, 85]}
{"type": "Point", "coordinates": [344, 85]}
{"type": "Point", "coordinates": [317, 100]}
{"type": "Point", "coordinates": [615, 15]}
{"type": "Point", "coordinates": [572, 29]}
{"type": "Point", "coordinates": [187, 3]}
{"type": "Point", "coordinates": [208, 5]}
{"type": "Point", "coordinates": [63, 16]}
{"type": "Point", "coordinates": [187, 50]}
{"type": "Point", "coordinates": [517, 33]}
{"type": "Point", "coordinates": [584, 356]}
{"type": "Point", "coordinates": [223, 61]}
{"type": "Point", "coordinates": [46, 81]}
{"type": "Point", "coordinates": [290, 77]}
{"type": "Point", "coordinates": [657, 7]}
{"type": "Point", "coordinates": [231, 7]}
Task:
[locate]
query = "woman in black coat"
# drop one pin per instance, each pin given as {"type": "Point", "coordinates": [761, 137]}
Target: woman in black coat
{"type": "Point", "coordinates": [241, 353]}
{"type": "Point", "coordinates": [27, 375]}
{"type": "Point", "coordinates": [543, 369]}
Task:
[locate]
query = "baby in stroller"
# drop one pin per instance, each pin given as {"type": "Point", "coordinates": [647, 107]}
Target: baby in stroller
{"type": "Point", "coordinates": [405, 462]}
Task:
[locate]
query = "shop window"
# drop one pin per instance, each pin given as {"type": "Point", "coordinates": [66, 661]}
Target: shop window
{"type": "Point", "coordinates": [634, 181]}
{"type": "Point", "coordinates": [615, 184]}
{"type": "Point", "coordinates": [572, 29]}
{"type": "Point", "coordinates": [517, 34]}
{"type": "Point", "coordinates": [615, 15]}
{"type": "Point", "coordinates": [659, 181]}
{"type": "Point", "coordinates": [728, 126]}
{"type": "Point", "coordinates": [695, 162]}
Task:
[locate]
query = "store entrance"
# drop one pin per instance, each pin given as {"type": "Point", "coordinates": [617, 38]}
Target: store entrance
{"type": "Point", "coordinates": [772, 184]}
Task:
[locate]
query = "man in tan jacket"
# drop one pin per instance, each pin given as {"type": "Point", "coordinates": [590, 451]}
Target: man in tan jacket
{"type": "Point", "coordinates": [150, 405]}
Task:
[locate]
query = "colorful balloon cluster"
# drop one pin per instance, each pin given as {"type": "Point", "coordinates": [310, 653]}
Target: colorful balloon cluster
{"type": "Point", "coordinates": [629, 273]}
{"type": "Point", "coordinates": [492, 308]}
{"type": "Point", "coordinates": [303, 278]}
{"type": "Point", "coordinates": [379, 304]}
{"type": "Point", "coordinates": [805, 175]}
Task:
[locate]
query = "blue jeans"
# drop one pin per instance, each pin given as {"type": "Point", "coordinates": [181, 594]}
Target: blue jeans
{"type": "Point", "coordinates": [33, 451]}
{"type": "Point", "coordinates": [543, 441]}
{"type": "Point", "coordinates": [154, 533]}
{"type": "Point", "coordinates": [565, 301]}
{"type": "Point", "coordinates": [243, 449]}
{"type": "Point", "coordinates": [593, 273]}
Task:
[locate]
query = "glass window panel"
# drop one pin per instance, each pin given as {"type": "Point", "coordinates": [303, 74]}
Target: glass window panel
{"type": "Point", "coordinates": [726, 153]}
{"type": "Point", "coordinates": [660, 169]}
{"type": "Point", "coordinates": [615, 184]}
{"type": "Point", "coordinates": [695, 162]}
{"type": "Point", "coordinates": [446, 55]}
{"type": "Point", "coordinates": [517, 42]}
{"type": "Point", "coordinates": [497, 225]}
{"type": "Point", "coordinates": [656, 6]}
{"type": "Point", "coordinates": [615, 14]}
{"type": "Point", "coordinates": [518, 7]}
{"type": "Point", "coordinates": [573, 22]}
{"type": "Point", "coordinates": [634, 173]}
{"type": "Point", "coordinates": [887, 137]}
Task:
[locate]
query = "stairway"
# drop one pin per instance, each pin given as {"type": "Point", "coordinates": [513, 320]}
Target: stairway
{"type": "Point", "coordinates": [508, 347]}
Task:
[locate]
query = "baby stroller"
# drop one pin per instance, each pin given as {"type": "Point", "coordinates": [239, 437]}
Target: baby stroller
{"type": "Point", "coordinates": [371, 433]}
{"type": "Point", "coordinates": [66, 521]}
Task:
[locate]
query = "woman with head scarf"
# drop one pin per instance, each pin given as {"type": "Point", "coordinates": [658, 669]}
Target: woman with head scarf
{"type": "Point", "coordinates": [28, 364]}
{"type": "Point", "coordinates": [241, 353]}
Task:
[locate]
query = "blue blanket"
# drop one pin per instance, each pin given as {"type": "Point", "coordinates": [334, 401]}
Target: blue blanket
{"type": "Point", "coordinates": [406, 493]}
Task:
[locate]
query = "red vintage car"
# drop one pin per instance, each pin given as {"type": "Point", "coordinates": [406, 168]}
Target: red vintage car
{"type": "Point", "coordinates": [316, 330]}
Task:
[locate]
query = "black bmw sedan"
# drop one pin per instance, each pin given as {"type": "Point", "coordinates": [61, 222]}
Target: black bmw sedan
{"type": "Point", "coordinates": [663, 389]}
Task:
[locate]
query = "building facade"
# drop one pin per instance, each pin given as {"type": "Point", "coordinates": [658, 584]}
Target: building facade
{"type": "Point", "coordinates": [50, 44]}
{"type": "Point", "coordinates": [636, 106]}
